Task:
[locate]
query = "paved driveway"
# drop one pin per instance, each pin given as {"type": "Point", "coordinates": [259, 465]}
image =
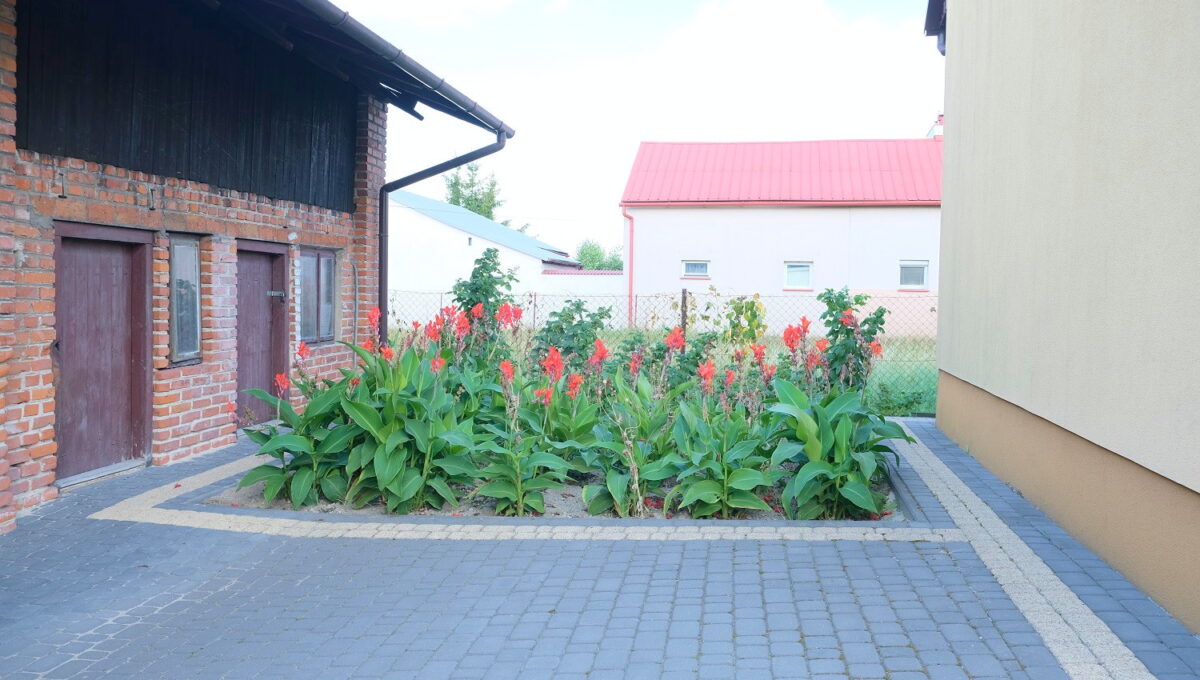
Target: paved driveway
{"type": "Point", "coordinates": [132, 577]}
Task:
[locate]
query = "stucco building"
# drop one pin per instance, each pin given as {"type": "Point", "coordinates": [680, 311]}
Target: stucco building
{"type": "Point", "coordinates": [1069, 270]}
{"type": "Point", "coordinates": [436, 244]}
{"type": "Point", "coordinates": [457, 236]}
{"type": "Point", "coordinates": [784, 218]}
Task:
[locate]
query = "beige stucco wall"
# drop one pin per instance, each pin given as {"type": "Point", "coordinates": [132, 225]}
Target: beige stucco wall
{"type": "Point", "coordinates": [1143, 524]}
{"type": "Point", "coordinates": [1071, 219]}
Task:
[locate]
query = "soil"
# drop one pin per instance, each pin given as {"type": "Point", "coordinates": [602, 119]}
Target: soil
{"type": "Point", "coordinates": [564, 502]}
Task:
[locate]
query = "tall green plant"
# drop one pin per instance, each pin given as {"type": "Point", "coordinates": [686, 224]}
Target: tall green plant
{"type": "Point", "coordinates": [745, 319]}
{"type": "Point", "coordinates": [726, 463]}
{"type": "Point", "coordinates": [488, 285]}
{"type": "Point", "coordinates": [519, 471]}
{"type": "Point", "coordinates": [838, 446]}
{"type": "Point", "coordinates": [573, 330]}
{"type": "Point", "coordinates": [635, 454]}
{"type": "Point", "coordinates": [852, 338]}
{"type": "Point", "coordinates": [311, 456]}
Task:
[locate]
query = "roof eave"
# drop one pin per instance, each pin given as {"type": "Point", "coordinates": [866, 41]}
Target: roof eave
{"type": "Point", "coordinates": [341, 20]}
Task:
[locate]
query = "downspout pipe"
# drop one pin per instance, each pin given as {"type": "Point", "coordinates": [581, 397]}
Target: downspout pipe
{"type": "Point", "coordinates": [626, 215]}
{"type": "Point", "coordinates": [432, 171]}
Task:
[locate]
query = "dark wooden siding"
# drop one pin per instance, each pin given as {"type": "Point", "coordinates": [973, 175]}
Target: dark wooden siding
{"type": "Point", "coordinates": [173, 88]}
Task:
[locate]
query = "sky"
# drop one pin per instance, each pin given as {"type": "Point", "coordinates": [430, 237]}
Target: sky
{"type": "Point", "coordinates": [583, 82]}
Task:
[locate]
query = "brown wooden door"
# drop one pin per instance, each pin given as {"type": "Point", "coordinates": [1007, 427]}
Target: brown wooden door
{"type": "Point", "coordinates": [99, 352]}
{"type": "Point", "coordinates": [261, 329]}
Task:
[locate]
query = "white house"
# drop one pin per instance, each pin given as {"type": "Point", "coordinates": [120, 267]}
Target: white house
{"type": "Point", "coordinates": [434, 244]}
{"type": "Point", "coordinates": [784, 218]}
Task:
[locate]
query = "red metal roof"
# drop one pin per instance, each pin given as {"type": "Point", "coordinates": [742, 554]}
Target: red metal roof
{"type": "Point", "coordinates": [838, 172]}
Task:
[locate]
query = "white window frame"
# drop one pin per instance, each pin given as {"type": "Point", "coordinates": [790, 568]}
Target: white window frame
{"type": "Point", "coordinates": [787, 268]}
{"type": "Point", "coordinates": [684, 272]}
{"type": "Point", "coordinates": [924, 265]}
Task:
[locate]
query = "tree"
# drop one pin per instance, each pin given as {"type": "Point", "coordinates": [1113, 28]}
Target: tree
{"type": "Point", "coordinates": [468, 190]}
{"type": "Point", "coordinates": [592, 256]}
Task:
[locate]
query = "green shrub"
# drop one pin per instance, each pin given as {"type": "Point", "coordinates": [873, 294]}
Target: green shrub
{"type": "Point", "coordinates": [573, 330]}
{"type": "Point", "coordinates": [852, 339]}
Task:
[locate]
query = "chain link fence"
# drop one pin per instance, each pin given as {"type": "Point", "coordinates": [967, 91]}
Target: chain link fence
{"type": "Point", "coordinates": [904, 379]}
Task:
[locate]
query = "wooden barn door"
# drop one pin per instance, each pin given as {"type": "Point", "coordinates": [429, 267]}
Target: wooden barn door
{"type": "Point", "coordinates": [261, 324]}
{"type": "Point", "coordinates": [101, 348]}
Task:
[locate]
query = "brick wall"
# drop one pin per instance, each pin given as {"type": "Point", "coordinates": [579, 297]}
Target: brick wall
{"type": "Point", "coordinates": [190, 411]}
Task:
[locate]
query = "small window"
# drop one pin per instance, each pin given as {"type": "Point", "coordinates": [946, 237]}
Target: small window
{"type": "Point", "coordinates": [913, 272]}
{"type": "Point", "coordinates": [318, 290]}
{"type": "Point", "coordinates": [798, 275]}
{"type": "Point", "coordinates": [185, 297]}
{"type": "Point", "coordinates": [695, 268]}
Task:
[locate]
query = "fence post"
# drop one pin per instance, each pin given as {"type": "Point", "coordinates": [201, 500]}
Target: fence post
{"type": "Point", "coordinates": [534, 310]}
{"type": "Point", "coordinates": [683, 311]}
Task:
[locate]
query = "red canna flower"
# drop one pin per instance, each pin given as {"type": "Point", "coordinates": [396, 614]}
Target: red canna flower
{"type": "Point", "coordinates": [506, 371]}
{"type": "Point", "coordinates": [760, 353]}
{"type": "Point", "coordinates": [462, 325]}
{"type": "Point", "coordinates": [553, 364]}
{"type": "Point", "coordinates": [354, 381]}
{"type": "Point", "coordinates": [804, 323]}
{"type": "Point", "coordinates": [706, 371]}
{"type": "Point", "coordinates": [433, 329]}
{"type": "Point", "coordinates": [449, 311]}
{"type": "Point", "coordinates": [675, 340]}
{"type": "Point", "coordinates": [282, 383]}
{"type": "Point", "coordinates": [437, 364]}
{"type": "Point", "coordinates": [416, 325]}
{"type": "Point", "coordinates": [791, 337]}
{"type": "Point", "coordinates": [876, 348]}
{"type": "Point", "coordinates": [822, 344]}
{"type": "Point", "coordinates": [635, 363]}
{"type": "Point", "coordinates": [373, 317]}
{"type": "Point", "coordinates": [302, 350]}
{"type": "Point", "coordinates": [574, 382]}
{"type": "Point", "coordinates": [544, 394]}
{"type": "Point", "coordinates": [598, 356]}
{"type": "Point", "coordinates": [729, 377]}
{"type": "Point", "coordinates": [768, 371]}
{"type": "Point", "coordinates": [848, 319]}
{"type": "Point", "coordinates": [516, 314]}
{"type": "Point", "coordinates": [813, 359]}
{"type": "Point", "coordinates": [477, 311]}
{"type": "Point", "coordinates": [387, 353]}
{"type": "Point", "coordinates": [369, 345]}
{"type": "Point", "coordinates": [504, 315]}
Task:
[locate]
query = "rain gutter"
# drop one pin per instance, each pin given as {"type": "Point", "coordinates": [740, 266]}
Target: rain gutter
{"type": "Point", "coordinates": [388, 188]}
{"type": "Point", "coordinates": [341, 20]}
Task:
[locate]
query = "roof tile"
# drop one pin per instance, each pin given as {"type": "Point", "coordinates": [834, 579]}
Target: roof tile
{"type": "Point", "coordinates": [848, 171]}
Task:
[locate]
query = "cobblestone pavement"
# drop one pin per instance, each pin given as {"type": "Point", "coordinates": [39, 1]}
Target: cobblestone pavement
{"type": "Point", "coordinates": [132, 577]}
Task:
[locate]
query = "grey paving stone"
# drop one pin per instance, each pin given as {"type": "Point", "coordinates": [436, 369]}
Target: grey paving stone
{"type": "Point", "coordinates": [74, 597]}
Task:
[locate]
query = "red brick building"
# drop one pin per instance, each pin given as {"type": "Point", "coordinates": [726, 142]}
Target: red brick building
{"type": "Point", "coordinates": [187, 190]}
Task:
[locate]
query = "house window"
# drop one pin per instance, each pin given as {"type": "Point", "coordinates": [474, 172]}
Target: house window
{"type": "Point", "coordinates": [318, 290]}
{"type": "Point", "coordinates": [913, 273]}
{"type": "Point", "coordinates": [185, 297]}
{"type": "Point", "coordinates": [695, 269]}
{"type": "Point", "coordinates": [798, 275]}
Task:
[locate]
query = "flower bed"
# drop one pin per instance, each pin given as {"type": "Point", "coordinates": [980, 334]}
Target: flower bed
{"type": "Point", "coordinates": [468, 406]}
